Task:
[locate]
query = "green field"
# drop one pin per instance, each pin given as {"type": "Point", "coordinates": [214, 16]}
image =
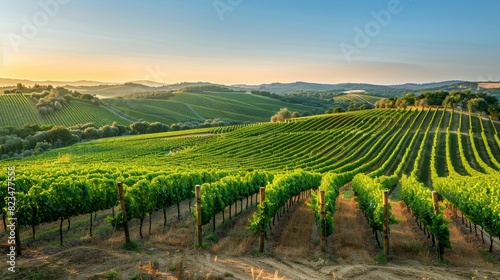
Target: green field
{"type": "Point", "coordinates": [357, 98]}
{"type": "Point", "coordinates": [184, 106]}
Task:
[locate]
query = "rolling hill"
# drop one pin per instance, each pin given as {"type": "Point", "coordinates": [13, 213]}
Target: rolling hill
{"type": "Point", "coordinates": [183, 106]}
{"type": "Point", "coordinates": [17, 110]}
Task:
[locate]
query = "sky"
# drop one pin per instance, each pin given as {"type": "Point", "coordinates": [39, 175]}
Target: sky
{"type": "Point", "coordinates": [250, 41]}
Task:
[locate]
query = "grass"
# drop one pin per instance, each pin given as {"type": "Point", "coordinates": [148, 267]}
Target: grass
{"type": "Point", "coordinates": [112, 275]}
{"type": "Point", "coordinates": [487, 255]}
{"type": "Point", "coordinates": [132, 246]}
{"type": "Point", "coordinates": [348, 194]}
{"type": "Point", "coordinates": [381, 258]}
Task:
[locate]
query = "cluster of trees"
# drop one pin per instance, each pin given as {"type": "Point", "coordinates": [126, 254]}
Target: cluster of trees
{"type": "Point", "coordinates": [34, 139]}
{"type": "Point", "coordinates": [48, 101]}
{"type": "Point", "coordinates": [408, 99]}
{"type": "Point", "coordinates": [20, 88]}
{"type": "Point", "coordinates": [150, 95]}
{"type": "Point", "coordinates": [206, 89]}
{"type": "Point", "coordinates": [474, 101]}
{"type": "Point", "coordinates": [351, 107]}
{"type": "Point", "coordinates": [284, 114]}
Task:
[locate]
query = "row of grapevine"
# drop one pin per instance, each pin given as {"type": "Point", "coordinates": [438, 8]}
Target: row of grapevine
{"type": "Point", "coordinates": [369, 195]}
{"type": "Point", "coordinates": [62, 200]}
{"type": "Point", "coordinates": [475, 150]}
{"type": "Point", "coordinates": [43, 200]}
{"type": "Point", "coordinates": [283, 187]}
{"type": "Point", "coordinates": [396, 151]}
{"type": "Point", "coordinates": [468, 168]}
{"type": "Point", "coordinates": [475, 196]}
{"type": "Point", "coordinates": [217, 196]}
{"type": "Point", "coordinates": [330, 184]}
{"type": "Point", "coordinates": [419, 199]}
{"type": "Point", "coordinates": [486, 144]}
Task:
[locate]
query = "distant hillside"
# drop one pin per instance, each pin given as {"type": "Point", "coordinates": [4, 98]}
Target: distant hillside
{"type": "Point", "coordinates": [4, 82]}
{"type": "Point", "coordinates": [186, 104]}
{"type": "Point", "coordinates": [198, 104]}
{"type": "Point", "coordinates": [382, 90]}
{"type": "Point", "coordinates": [426, 85]}
{"type": "Point", "coordinates": [122, 90]}
{"type": "Point", "coordinates": [113, 90]}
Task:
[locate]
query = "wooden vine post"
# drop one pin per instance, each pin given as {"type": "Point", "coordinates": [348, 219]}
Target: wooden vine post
{"type": "Point", "coordinates": [124, 212]}
{"type": "Point", "coordinates": [262, 197]}
{"type": "Point", "coordinates": [385, 227]}
{"type": "Point", "coordinates": [322, 242]}
{"type": "Point", "coordinates": [435, 205]}
{"type": "Point", "coordinates": [198, 215]}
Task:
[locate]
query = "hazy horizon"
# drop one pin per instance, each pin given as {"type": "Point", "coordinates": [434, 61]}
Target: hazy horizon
{"type": "Point", "coordinates": [250, 42]}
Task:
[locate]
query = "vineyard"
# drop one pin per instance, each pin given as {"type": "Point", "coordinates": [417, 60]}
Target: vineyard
{"type": "Point", "coordinates": [17, 110]}
{"type": "Point", "coordinates": [182, 106]}
{"type": "Point", "coordinates": [440, 167]}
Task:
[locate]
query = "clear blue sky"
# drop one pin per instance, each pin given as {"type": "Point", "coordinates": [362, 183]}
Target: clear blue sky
{"type": "Point", "coordinates": [250, 41]}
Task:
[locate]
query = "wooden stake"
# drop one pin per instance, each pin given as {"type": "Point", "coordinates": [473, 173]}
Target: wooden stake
{"type": "Point", "coordinates": [124, 212]}
{"type": "Point", "coordinates": [386, 223]}
{"type": "Point", "coordinates": [322, 243]}
{"type": "Point", "coordinates": [262, 196]}
{"type": "Point", "coordinates": [198, 215]}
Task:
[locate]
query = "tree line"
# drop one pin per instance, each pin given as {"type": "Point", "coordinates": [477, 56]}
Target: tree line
{"type": "Point", "coordinates": [33, 139]}
{"type": "Point", "coordinates": [479, 102]}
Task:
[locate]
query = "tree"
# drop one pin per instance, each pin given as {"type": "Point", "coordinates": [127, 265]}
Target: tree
{"type": "Point", "coordinates": [158, 127]}
{"type": "Point", "coordinates": [60, 133]}
{"type": "Point", "coordinates": [175, 127]}
{"type": "Point", "coordinates": [477, 104]}
{"type": "Point", "coordinates": [109, 131]}
{"type": "Point", "coordinates": [338, 110]}
{"type": "Point", "coordinates": [140, 127]}
{"type": "Point", "coordinates": [90, 133]}
{"type": "Point", "coordinates": [421, 103]}
{"type": "Point", "coordinates": [352, 107]}
{"type": "Point", "coordinates": [57, 106]}
{"type": "Point", "coordinates": [363, 107]}
{"type": "Point", "coordinates": [295, 115]}
{"type": "Point", "coordinates": [328, 111]}
{"type": "Point", "coordinates": [401, 103]}
{"type": "Point", "coordinates": [384, 103]}
{"type": "Point", "coordinates": [122, 130]}
{"type": "Point", "coordinates": [410, 98]}
{"type": "Point", "coordinates": [283, 114]}
{"type": "Point", "coordinates": [494, 111]}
